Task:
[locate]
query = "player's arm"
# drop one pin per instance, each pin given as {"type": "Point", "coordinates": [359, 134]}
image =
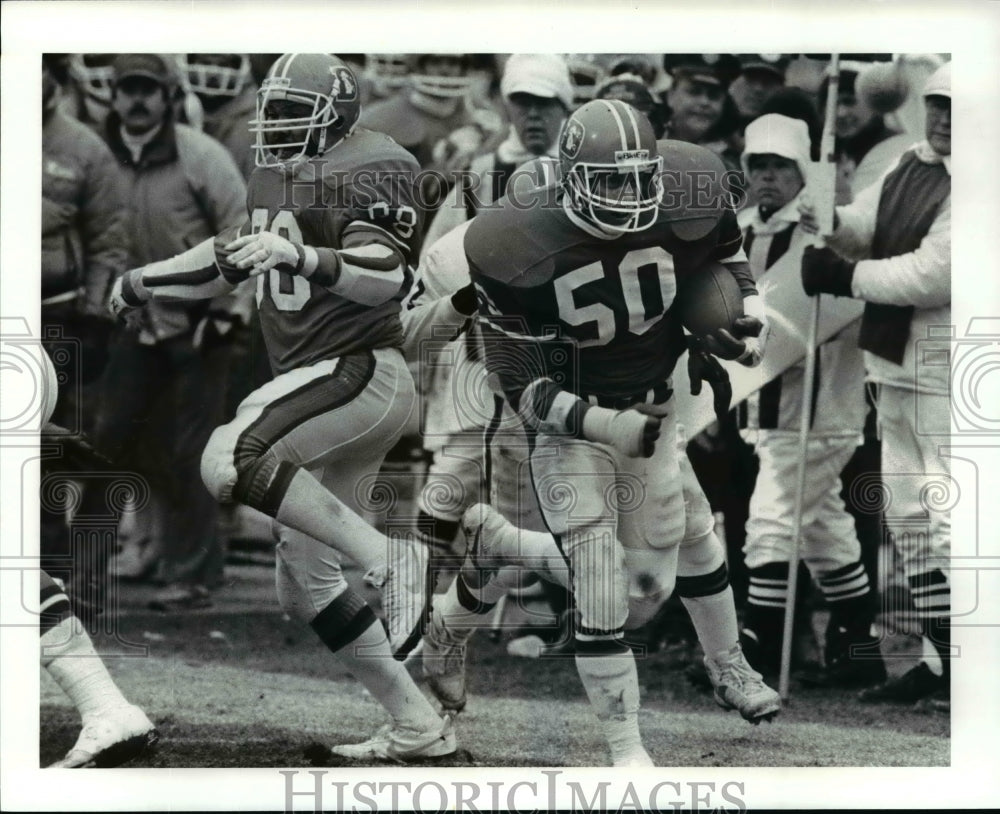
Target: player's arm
{"type": "Point", "coordinates": [201, 272]}
{"type": "Point", "coordinates": [526, 365]}
{"type": "Point", "coordinates": [745, 343]}
{"type": "Point", "coordinates": [443, 298]}
{"type": "Point", "coordinates": [368, 269]}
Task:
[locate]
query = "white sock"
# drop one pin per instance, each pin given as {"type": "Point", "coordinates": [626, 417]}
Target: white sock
{"type": "Point", "coordinates": [612, 685]}
{"type": "Point", "coordinates": [703, 586]}
{"type": "Point", "coordinates": [370, 661]}
{"type": "Point", "coordinates": [69, 656]}
{"type": "Point", "coordinates": [714, 620]}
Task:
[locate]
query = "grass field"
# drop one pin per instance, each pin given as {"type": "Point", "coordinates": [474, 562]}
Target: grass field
{"type": "Point", "coordinates": [237, 685]}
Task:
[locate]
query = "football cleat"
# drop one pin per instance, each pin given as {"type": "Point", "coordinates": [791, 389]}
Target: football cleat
{"type": "Point", "coordinates": [406, 595]}
{"type": "Point", "coordinates": [914, 685]}
{"type": "Point", "coordinates": [444, 664]}
{"type": "Point", "coordinates": [401, 744]}
{"type": "Point", "coordinates": [110, 740]}
{"type": "Point", "coordinates": [738, 686]}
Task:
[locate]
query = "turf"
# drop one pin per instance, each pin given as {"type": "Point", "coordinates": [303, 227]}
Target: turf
{"type": "Point", "coordinates": [239, 685]}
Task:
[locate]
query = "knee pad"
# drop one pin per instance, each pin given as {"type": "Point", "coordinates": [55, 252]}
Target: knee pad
{"type": "Point", "coordinates": [248, 475]}
{"type": "Point", "coordinates": [218, 466]}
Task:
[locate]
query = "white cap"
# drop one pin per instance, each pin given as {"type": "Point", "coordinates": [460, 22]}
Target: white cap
{"type": "Point", "coordinates": [775, 134]}
{"type": "Point", "coordinates": [939, 82]}
{"type": "Point", "coordinates": [544, 75]}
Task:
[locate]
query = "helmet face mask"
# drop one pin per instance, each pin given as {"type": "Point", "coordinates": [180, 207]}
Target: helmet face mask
{"type": "Point", "coordinates": [222, 75]}
{"type": "Point", "coordinates": [433, 76]}
{"type": "Point", "coordinates": [611, 170]}
{"type": "Point", "coordinates": [94, 75]}
{"type": "Point", "coordinates": [307, 104]}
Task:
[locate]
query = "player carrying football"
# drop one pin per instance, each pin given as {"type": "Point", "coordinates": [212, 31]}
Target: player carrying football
{"type": "Point", "coordinates": [574, 294]}
{"type": "Point", "coordinates": [332, 226]}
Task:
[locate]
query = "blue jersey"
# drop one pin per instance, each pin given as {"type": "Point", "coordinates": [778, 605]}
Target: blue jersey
{"type": "Point", "coordinates": [589, 312]}
{"type": "Point", "coordinates": [358, 193]}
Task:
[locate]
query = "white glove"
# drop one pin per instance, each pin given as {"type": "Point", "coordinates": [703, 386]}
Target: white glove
{"type": "Point", "coordinates": [127, 293]}
{"type": "Point", "coordinates": [628, 431]}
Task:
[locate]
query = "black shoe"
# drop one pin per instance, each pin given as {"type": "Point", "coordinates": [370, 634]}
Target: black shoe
{"type": "Point", "coordinates": [853, 660]}
{"type": "Point", "coordinates": [914, 685]}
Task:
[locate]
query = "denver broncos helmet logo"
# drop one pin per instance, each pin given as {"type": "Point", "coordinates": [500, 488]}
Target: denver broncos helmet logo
{"type": "Point", "coordinates": [572, 139]}
{"type": "Point", "coordinates": [344, 87]}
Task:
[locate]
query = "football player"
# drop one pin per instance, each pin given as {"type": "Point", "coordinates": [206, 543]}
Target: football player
{"type": "Point", "coordinates": [574, 287]}
{"type": "Point", "coordinates": [330, 231]}
{"type": "Point", "coordinates": [114, 731]}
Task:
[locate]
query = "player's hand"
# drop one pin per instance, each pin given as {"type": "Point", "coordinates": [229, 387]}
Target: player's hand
{"type": "Point", "coordinates": [125, 298]}
{"type": "Point", "coordinates": [464, 300]}
{"type": "Point", "coordinates": [737, 345]}
{"type": "Point", "coordinates": [630, 432]}
{"type": "Point", "coordinates": [704, 367]}
{"type": "Point", "coordinates": [262, 252]}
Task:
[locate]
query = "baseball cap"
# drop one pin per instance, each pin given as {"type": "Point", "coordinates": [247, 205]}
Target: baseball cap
{"type": "Point", "coordinates": [773, 64]}
{"type": "Point", "coordinates": [628, 88]}
{"type": "Point", "coordinates": [775, 134]}
{"type": "Point", "coordinates": [151, 66]}
{"type": "Point", "coordinates": [939, 82]}
{"type": "Point", "coordinates": [543, 75]}
{"type": "Point", "coordinates": [709, 69]}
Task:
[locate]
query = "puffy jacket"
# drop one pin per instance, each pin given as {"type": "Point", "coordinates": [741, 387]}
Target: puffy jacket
{"type": "Point", "coordinates": [184, 189]}
{"type": "Point", "coordinates": [83, 216]}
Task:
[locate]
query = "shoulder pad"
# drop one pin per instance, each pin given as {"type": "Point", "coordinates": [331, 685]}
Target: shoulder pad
{"type": "Point", "coordinates": [695, 188]}
{"type": "Point", "coordinates": [515, 241]}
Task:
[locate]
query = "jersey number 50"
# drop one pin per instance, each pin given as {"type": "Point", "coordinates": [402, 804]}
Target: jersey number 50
{"type": "Point", "coordinates": [643, 274]}
{"type": "Point", "coordinates": [289, 292]}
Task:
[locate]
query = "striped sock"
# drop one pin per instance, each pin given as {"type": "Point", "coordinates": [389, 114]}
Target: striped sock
{"type": "Point", "coordinates": [931, 594]}
{"type": "Point", "coordinates": [848, 592]}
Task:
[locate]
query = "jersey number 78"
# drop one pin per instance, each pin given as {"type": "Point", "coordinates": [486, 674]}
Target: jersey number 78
{"type": "Point", "coordinates": [288, 292]}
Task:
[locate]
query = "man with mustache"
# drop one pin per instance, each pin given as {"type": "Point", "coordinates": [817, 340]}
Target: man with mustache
{"type": "Point", "coordinates": [161, 394]}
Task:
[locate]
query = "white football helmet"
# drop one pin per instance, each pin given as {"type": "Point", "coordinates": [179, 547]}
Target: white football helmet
{"type": "Point", "coordinates": [388, 72]}
{"type": "Point", "coordinates": [439, 84]}
{"type": "Point", "coordinates": [215, 74]}
{"type": "Point", "coordinates": [93, 75]}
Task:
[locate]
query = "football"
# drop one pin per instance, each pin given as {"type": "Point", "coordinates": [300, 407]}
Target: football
{"type": "Point", "coordinates": [709, 299]}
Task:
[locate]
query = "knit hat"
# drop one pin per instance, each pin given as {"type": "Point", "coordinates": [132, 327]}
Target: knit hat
{"type": "Point", "coordinates": [775, 134]}
{"type": "Point", "coordinates": [543, 75]}
{"type": "Point", "coordinates": [939, 82]}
